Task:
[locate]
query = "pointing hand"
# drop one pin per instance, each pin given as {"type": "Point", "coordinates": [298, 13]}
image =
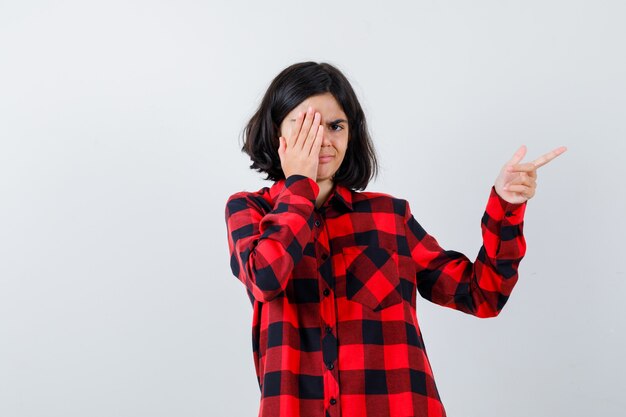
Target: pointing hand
{"type": "Point", "coordinates": [517, 181]}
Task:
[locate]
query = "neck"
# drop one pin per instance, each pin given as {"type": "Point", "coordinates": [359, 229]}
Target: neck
{"type": "Point", "coordinates": [326, 187]}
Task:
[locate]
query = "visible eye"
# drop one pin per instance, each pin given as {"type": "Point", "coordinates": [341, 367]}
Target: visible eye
{"type": "Point", "coordinates": [336, 127]}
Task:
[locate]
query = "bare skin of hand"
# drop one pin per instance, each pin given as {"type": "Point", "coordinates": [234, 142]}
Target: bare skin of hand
{"type": "Point", "coordinates": [517, 181]}
{"type": "Point", "coordinates": [299, 151]}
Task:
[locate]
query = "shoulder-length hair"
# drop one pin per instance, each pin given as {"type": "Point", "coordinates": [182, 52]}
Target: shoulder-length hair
{"type": "Point", "coordinates": [291, 87]}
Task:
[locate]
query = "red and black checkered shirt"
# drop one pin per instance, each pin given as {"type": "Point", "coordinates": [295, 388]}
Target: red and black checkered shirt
{"type": "Point", "coordinates": [333, 290]}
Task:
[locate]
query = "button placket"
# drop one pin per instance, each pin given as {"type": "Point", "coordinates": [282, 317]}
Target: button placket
{"type": "Point", "coordinates": [327, 307]}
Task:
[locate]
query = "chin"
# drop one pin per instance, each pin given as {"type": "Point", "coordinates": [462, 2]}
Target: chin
{"type": "Point", "coordinates": [325, 175]}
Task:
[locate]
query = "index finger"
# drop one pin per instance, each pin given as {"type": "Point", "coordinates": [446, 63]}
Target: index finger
{"type": "Point", "coordinates": [544, 159]}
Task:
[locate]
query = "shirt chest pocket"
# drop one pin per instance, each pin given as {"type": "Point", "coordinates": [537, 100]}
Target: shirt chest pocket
{"type": "Point", "coordinates": [372, 276]}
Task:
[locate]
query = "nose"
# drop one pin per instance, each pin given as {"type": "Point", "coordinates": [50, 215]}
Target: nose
{"type": "Point", "coordinates": [325, 139]}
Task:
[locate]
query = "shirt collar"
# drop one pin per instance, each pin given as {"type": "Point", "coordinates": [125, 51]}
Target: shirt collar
{"type": "Point", "coordinates": [339, 195]}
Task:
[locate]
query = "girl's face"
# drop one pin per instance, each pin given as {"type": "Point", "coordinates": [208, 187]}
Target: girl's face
{"type": "Point", "coordinates": [336, 132]}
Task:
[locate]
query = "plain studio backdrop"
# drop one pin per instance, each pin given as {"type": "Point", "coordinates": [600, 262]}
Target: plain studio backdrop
{"type": "Point", "coordinates": [120, 127]}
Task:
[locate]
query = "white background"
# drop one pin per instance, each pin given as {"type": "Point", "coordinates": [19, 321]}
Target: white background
{"type": "Point", "coordinates": [120, 127]}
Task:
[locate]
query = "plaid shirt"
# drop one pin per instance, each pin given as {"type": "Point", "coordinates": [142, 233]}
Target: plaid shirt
{"type": "Point", "coordinates": [333, 291]}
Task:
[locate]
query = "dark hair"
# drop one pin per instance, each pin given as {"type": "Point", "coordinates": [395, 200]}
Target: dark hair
{"type": "Point", "coordinates": [291, 87]}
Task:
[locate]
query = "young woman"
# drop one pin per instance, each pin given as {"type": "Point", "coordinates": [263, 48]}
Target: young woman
{"type": "Point", "coordinates": [332, 273]}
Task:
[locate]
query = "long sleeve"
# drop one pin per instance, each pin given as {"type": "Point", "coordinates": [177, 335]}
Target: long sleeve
{"type": "Point", "coordinates": [482, 287]}
{"type": "Point", "coordinates": [265, 245]}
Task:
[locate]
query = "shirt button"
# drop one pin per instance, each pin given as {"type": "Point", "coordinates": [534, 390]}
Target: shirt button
{"type": "Point", "coordinates": [333, 401]}
{"type": "Point", "coordinates": [508, 214]}
{"type": "Point", "coordinates": [330, 366]}
{"type": "Point", "coordinates": [329, 329]}
{"type": "Point", "coordinates": [317, 223]}
{"type": "Point", "coordinates": [326, 292]}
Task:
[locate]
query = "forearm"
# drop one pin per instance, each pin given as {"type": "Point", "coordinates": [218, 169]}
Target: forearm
{"type": "Point", "coordinates": [264, 247]}
{"type": "Point", "coordinates": [451, 279]}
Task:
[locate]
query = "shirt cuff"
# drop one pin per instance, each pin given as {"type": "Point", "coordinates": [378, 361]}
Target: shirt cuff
{"type": "Point", "coordinates": [303, 186]}
{"type": "Point", "coordinates": [500, 209]}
